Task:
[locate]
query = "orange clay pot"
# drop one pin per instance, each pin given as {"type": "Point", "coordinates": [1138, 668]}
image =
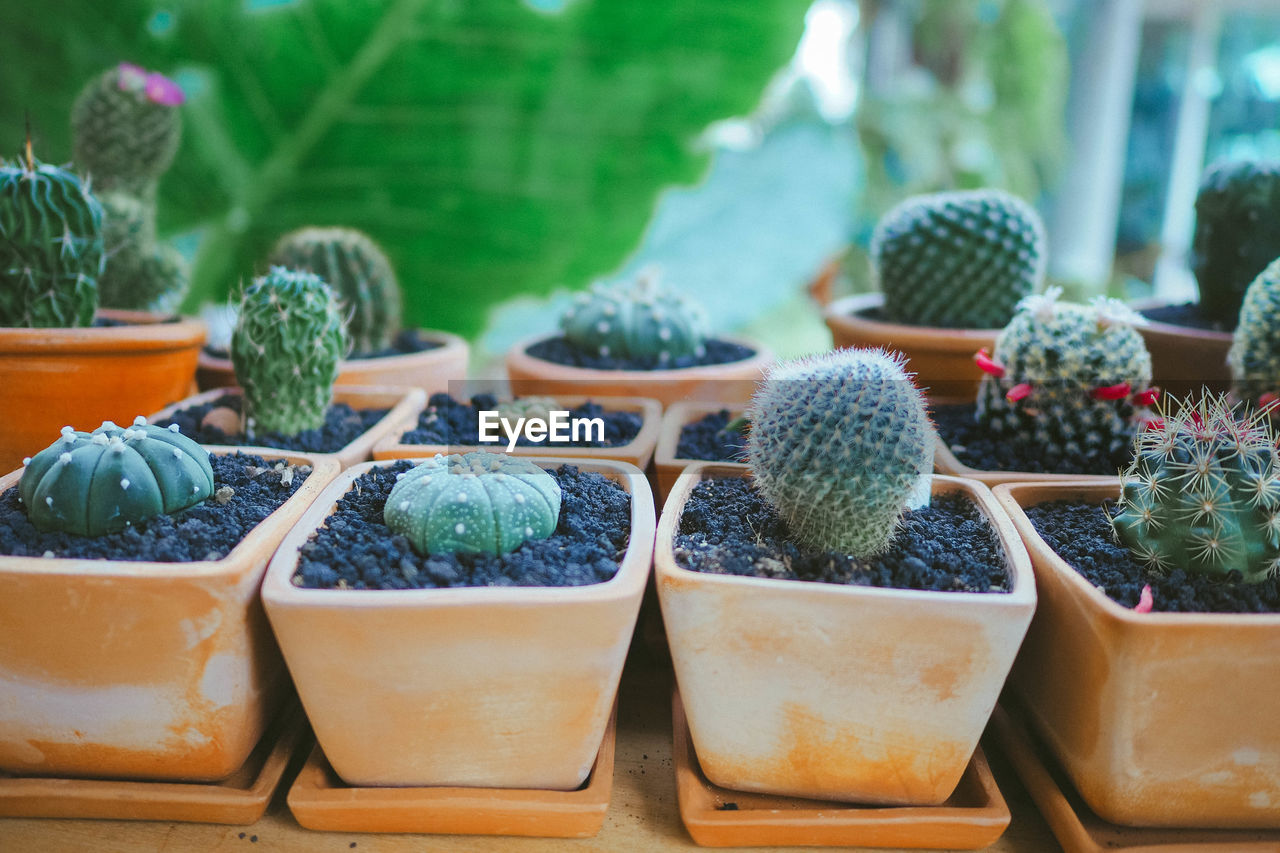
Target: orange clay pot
{"type": "Point", "coordinates": [504, 687]}
{"type": "Point", "coordinates": [838, 692]}
{"type": "Point", "coordinates": [667, 465]}
{"type": "Point", "coordinates": [141, 670]}
{"type": "Point", "coordinates": [1185, 360]}
{"type": "Point", "coordinates": [721, 383]}
{"type": "Point", "coordinates": [1159, 719]}
{"type": "Point", "coordinates": [50, 378]}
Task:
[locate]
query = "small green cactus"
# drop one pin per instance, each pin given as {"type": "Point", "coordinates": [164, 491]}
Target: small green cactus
{"type": "Point", "coordinates": [1255, 347]}
{"type": "Point", "coordinates": [288, 341]}
{"type": "Point", "coordinates": [473, 503]}
{"type": "Point", "coordinates": [140, 272]}
{"type": "Point", "coordinates": [640, 319]}
{"type": "Point", "coordinates": [840, 444]}
{"type": "Point", "coordinates": [528, 407]}
{"type": "Point", "coordinates": [360, 272]}
{"type": "Point", "coordinates": [1203, 493]}
{"type": "Point", "coordinates": [958, 259]}
{"type": "Point", "coordinates": [1237, 234]}
{"type": "Point", "coordinates": [93, 483]}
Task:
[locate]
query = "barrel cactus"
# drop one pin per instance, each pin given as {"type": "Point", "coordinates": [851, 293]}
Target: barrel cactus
{"type": "Point", "coordinates": [355, 267]}
{"type": "Point", "coordinates": [93, 483]}
{"type": "Point", "coordinates": [140, 273]}
{"type": "Point", "coordinates": [528, 407]}
{"type": "Point", "coordinates": [1203, 493]}
{"type": "Point", "coordinates": [640, 319]}
{"type": "Point", "coordinates": [840, 444]}
{"type": "Point", "coordinates": [958, 259]}
{"type": "Point", "coordinates": [473, 503]}
{"type": "Point", "coordinates": [1237, 234]}
{"type": "Point", "coordinates": [288, 341]}
{"type": "Point", "coordinates": [1255, 348]}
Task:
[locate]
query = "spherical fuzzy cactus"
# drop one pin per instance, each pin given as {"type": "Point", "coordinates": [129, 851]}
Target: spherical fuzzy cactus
{"type": "Point", "coordinates": [1203, 494]}
{"type": "Point", "coordinates": [127, 129]}
{"type": "Point", "coordinates": [958, 259]}
{"type": "Point", "coordinates": [355, 267]}
{"type": "Point", "coordinates": [1074, 378]}
{"type": "Point", "coordinates": [640, 319]}
{"type": "Point", "coordinates": [288, 341]}
{"type": "Point", "coordinates": [1255, 348]}
{"type": "Point", "coordinates": [50, 246]}
{"type": "Point", "coordinates": [473, 503]}
{"type": "Point", "coordinates": [1237, 234]}
{"type": "Point", "coordinates": [95, 483]}
{"type": "Point", "coordinates": [841, 444]}
{"type": "Point", "coordinates": [140, 273]}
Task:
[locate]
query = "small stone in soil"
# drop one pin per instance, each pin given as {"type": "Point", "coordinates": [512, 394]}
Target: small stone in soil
{"type": "Point", "coordinates": [447, 421]}
{"type": "Point", "coordinates": [559, 351]}
{"type": "Point", "coordinates": [975, 447]}
{"type": "Point", "coordinates": [707, 439]}
{"type": "Point", "coordinates": [342, 425]}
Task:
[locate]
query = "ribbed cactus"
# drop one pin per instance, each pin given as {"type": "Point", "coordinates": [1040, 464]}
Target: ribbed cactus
{"type": "Point", "coordinates": [1255, 348]}
{"type": "Point", "coordinates": [528, 407]}
{"type": "Point", "coordinates": [473, 503]}
{"type": "Point", "coordinates": [288, 340]}
{"type": "Point", "coordinates": [140, 273]}
{"type": "Point", "coordinates": [127, 129]}
{"type": "Point", "coordinates": [1203, 493]}
{"type": "Point", "coordinates": [1073, 378]}
{"type": "Point", "coordinates": [355, 267]}
{"type": "Point", "coordinates": [958, 259]}
{"type": "Point", "coordinates": [640, 319]}
{"type": "Point", "coordinates": [840, 444]}
{"type": "Point", "coordinates": [1237, 234]}
{"type": "Point", "coordinates": [50, 246]}
{"type": "Point", "coordinates": [99, 482]}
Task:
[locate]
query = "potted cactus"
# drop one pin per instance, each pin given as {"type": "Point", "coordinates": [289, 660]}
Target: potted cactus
{"type": "Point", "coordinates": [950, 268]}
{"type": "Point", "coordinates": [636, 338]}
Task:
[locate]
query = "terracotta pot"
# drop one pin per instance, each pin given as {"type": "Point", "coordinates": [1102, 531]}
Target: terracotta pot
{"type": "Point", "coordinates": [400, 400]}
{"type": "Point", "coordinates": [53, 377]}
{"type": "Point", "coordinates": [666, 464]}
{"type": "Point", "coordinates": [506, 687]}
{"type": "Point", "coordinates": [941, 359]}
{"type": "Point", "coordinates": [141, 670]}
{"type": "Point", "coordinates": [722, 383]}
{"type": "Point", "coordinates": [945, 462]}
{"type": "Point", "coordinates": [1159, 719]}
{"type": "Point", "coordinates": [838, 692]}
{"type": "Point", "coordinates": [431, 370]}
{"type": "Point", "coordinates": [1184, 360]}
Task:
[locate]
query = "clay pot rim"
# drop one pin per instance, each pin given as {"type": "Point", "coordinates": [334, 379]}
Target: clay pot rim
{"type": "Point", "coordinates": [1172, 329]}
{"type": "Point", "coordinates": [1099, 604]}
{"type": "Point", "coordinates": [846, 312]}
{"type": "Point", "coordinates": [146, 332]}
{"type": "Point", "coordinates": [760, 358]}
{"type": "Point", "coordinates": [449, 344]}
{"type": "Point", "coordinates": [674, 420]}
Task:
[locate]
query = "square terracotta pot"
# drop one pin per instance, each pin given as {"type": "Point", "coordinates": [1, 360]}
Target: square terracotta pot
{"type": "Point", "coordinates": [666, 463]}
{"type": "Point", "coordinates": [142, 670]}
{"type": "Point", "coordinates": [1160, 719]}
{"type": "Point", "coordinates": [504, 687]}
{"type": "Point", "coordinates": [838, 692]}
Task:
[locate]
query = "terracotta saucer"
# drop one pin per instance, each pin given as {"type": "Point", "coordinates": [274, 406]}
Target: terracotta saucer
{"type": "Point", "coordinates": [320, 800]}
{"type": "Point", "coordinates": [974, 817]}
{"type": "Point", "coordinates": [1078, 829]}
{"type": "Point", "coordinates": [240, 799]}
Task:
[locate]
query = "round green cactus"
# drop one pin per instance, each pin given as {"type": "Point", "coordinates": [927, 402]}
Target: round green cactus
{"type": "Point", "coordinates": [638, 319]}
{"type": "Point", "coordinates": [127, 129]}
{"type": "Point", "coordinates": [286, 348]}
{"type": "Point", "coordinates": [1203, 494]}
{"type": "Point", "coordinates": [1255, 347]}
{"type": "Point", "coordinates": [140, 273]}
{"type": "Point", "coordinates": [1237, 234]}
{"type": "Point", "coordinates": [360, 272]}
{"type": "Point", "coordinates": [473, 503]}
{"type": "Point", "coordinates": [528, 407]}
{"type": "Point", "coordinates": [93, 483]}
{"type": "Point", "coordinates": [958, 259]}
{"type": "Point", "coordinates": [840, 444]}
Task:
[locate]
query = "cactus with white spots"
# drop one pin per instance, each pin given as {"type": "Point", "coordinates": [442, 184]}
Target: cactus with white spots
{"type": "Point", "coordinates": [641, 319]}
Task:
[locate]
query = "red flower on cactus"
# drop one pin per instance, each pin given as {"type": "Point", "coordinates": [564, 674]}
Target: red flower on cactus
{"type": "Point", "coordinates": [1112, 392]}
{"type": "Point", "coordinates": [987, 364]}
{"type": "Point", "coordinates": [1019, 392]}
{"type": "Point", "coordinates": [161, 90]}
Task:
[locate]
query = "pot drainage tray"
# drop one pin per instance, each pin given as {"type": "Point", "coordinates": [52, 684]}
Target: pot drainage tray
{"type": "Point", "coordinates": [1075, 825]}
{"type": "Point", "coordinates": [974, 816]}
{"type": "Point", "coordinates": [241, 798]}
{"type": "Point", "coordinates": [320, 800]}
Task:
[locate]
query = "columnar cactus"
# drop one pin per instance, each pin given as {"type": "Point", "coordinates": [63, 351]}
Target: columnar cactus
{"type": "Point", "coordinates": [288, 340]}
{"type": "Point", "coordinates": [958, 259]}
{"type": "Point", "coordinates": [1255, 348]}
{"type": "Point", "coordinates": [93, 483]}
{"type": "Point", "coordinates": [355, 267]}
{"type": "Point", "coordinates": [640, 319]}
{"type": "Point", "coordinates": [1073, 378]}
{"type": "Point", "coordinates": [1237, 234]}
{"type": "Point", "coordinates": [840, 444]}
{"type": "Point", "coordinates": [1203, 494]}
{"type": "Point", "coordinates": [140, 272]}
{"type": "Point", "coordinates": [473, 503]}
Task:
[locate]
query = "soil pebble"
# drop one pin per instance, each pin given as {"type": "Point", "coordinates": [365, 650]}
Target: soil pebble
{"type": "Point", "coordinates": [974, 447]}
{"type": "Point", "coordinates": [707, 439]}
{"type": "Point", "coordinates": [560, 351]}
{"type": "Point", "coordinates": [342, 425]}
{"type": "Point", "coordinates": [448, 421]}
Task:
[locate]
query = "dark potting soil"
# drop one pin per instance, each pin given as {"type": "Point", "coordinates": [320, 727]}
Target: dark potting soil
{"type": "Point", "coordinates": [448, 421]}
{"type": "Point", "coordinates": [1080, 533]}
{"type": "Point", "coordinates": [356, 550]}
{"type": "Point", "coordinates": [560, 351]}
{"type": "Point", "coordinates": [1186, 314]}
{"type": "Point", "coordinates": [406, 342]}
{"type": "Point", "coordinates": [206, 531]}
{"type": "Point", "coordinates": [342, 425]}
{"type": "Point", "coordinates": [728, 528]}
{"type": "Point", "coordinates": [974, 447]}
{"type": "Point", "coordinates": [707, 439]}
{"type": "Point", "coordinates": [100, 322]}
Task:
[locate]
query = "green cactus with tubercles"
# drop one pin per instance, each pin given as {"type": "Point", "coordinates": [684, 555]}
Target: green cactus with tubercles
{"type": "Point", "coordinates": [640, 319]}
{"type": "Point", "coordinates": [140, 273]}
{"type": "Point", "coordinates": [841, 444]}
{"type": "Point", "coordinates": [93, 483]}
{"type": "Point", "coordinates": [473, 503]}
{"type": "Point", "coordinates": [288, 341]}
{"type": "Point", "coordinates": [1237, 234]}
{"type": "Point", "coordinates": [1255, 347]}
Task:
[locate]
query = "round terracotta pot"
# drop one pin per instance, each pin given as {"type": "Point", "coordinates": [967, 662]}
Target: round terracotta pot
{"type": "Point", "coordinates": [721, 383]}
{"type": "Point", "coordinates": [1186, 361]}
{"type": "Point", "coordinates": [50, 378]}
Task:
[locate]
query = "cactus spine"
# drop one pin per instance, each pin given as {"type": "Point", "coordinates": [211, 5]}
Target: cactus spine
{"type": "Point", "coordinates": [1255, 347]}
{"type": "Point", "coordinates": [1237, 234]}
{"type": "Point", "coordinates": [640, 319]}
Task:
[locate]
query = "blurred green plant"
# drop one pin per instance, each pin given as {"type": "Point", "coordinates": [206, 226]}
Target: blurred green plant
{"type": "Point", "coordinates": [491, 148]}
